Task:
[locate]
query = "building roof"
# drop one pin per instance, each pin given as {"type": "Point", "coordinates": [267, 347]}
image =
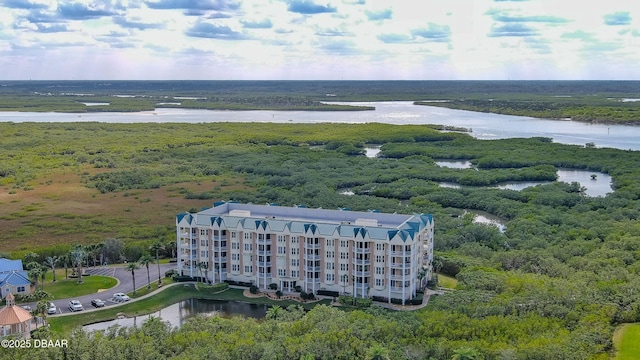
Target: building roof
{"type": "Point", "coordinates": [300, 220]}
{"type": "Point", "coordinates": [11, 315]}
{"type": "Point", "coordinates": [15, 278]}
{"type": "Point", "coordinates": [7, 265]}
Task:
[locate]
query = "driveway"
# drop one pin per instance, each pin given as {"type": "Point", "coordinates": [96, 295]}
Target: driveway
{"type": "Point", "coordinates": [125, 284]}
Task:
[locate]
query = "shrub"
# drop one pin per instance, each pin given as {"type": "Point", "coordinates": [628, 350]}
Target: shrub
{"type": "Point", "coordinates": [278, 293]}
{"type": "Point", "coordinates": [253, 289]}
{"type": "Point", "coordinates": [273, 286]}
{"type": "Point", "coordinates": [170, 273]}
{"type": "Point", "coordinates": [298, 288]}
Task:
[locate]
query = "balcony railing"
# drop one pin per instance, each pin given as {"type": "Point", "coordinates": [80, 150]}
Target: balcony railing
{"type": "Point", "coordinates": [312, 268]}
{"type": "Point", "coordinates": [311, 246]}
{"type": "Point", "coordinates": [264, 252]}
{"type": "Point", "coordinates": [361, 250]}
{"type": "Point", "coordinates": [400, 265]}
{"type": "Point", "coordinates": [220, 259]}
{"type": "Point", "coordinates": [264, 263]}
{"type": "Point", "coordinates": [311, 257]}
{"type": "Point", "coordinates": [264, 241]}
{"type": "Point", "coordinates": [361, 273]}
{"type": "Point", "coordinates": [360, 262]}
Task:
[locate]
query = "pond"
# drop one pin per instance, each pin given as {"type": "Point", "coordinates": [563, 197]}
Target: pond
{"type": "Point", "coordinates": [483, 217]}
{"type": "Point", "coordinates": [178, 313]}
{"type": "Point", "coordinates": [595, 183]}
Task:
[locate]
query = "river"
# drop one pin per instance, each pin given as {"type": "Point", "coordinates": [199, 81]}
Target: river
{"type": "Point", "coordinates": [483, 125]}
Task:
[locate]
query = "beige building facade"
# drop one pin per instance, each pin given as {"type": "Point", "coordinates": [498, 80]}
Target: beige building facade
{"type": "Point", "coordinates": [363, 254]}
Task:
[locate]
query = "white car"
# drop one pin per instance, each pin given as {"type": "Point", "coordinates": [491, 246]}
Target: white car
{"type": "Point", "coordinates": [52, 309]}
{"type": "Point", "coordinates": [120, 297]}
{"type": "Point", "coordinates": [75, 305]}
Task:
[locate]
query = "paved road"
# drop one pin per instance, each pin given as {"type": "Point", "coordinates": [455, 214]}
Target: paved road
{"type": "Point", "coordinates": [125, 284]}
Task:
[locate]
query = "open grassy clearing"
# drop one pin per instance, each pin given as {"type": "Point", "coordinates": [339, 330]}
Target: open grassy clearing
{"type": "Point", "coordinates": [447, 281]}
{"type": "Point", "coordinates": [626, 342]}
{"type": "Point", "coordinates": [62, 210]}
{"type": "Point", "coordinates": [66, 288]}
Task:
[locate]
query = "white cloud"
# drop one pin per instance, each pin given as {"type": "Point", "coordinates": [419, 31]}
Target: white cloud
{"type": "Point", "coordinates": [318, 39]}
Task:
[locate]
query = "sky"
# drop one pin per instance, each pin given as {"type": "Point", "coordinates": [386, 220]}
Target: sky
{"type": "Point", "coordinates": [320, 40]}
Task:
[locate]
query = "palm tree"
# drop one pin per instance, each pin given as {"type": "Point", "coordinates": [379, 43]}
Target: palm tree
{"type": "Point", "coordinates": [30, 257]}
{"type": "Point", "coordinates": [157, 246]}
{"type": "Point", "coordinates": [34, 273]}
{"type": "Point", "coordinates": [201, 265]}
{"type": "Point", "coordinates": [51, 262]}
{"type": "Point", "coordinates": [466, 353]}
{"type": "Point", "coordinates": [274, 312]}
{"type": "Point", "coordinates": [422, 273]}
{"type": "Point", "coordinates": [64, 261]}
{"type": "Point", "coordinates": [133, 266]}
{"type": "Point", "coordinates": [77, 256]}
{"type": "Point", "coordinates": [378, 352]}
{"type": "Point", "coordinates": [145, 260]}
{"type": "Point", "coordinates": [41, 310]}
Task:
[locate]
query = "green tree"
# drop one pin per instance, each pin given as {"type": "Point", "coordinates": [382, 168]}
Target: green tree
{"type": "Point", "coordinates": [40, 310]}
{"type": "Point", "coordinates": [156, 247]}
{"type": "Point", "coordinates": [77, 257]}
{"type": "Point", "coordinates": [133, 266]}
{"type": "Point", "coordinates": [377, 352]}
{"type": "Point", "coordinates": [275, 312]}
{"type": "Point", "coordinates": [467, 353]}
{"type": "Point", "coordinates": [145, 260]}
{"type": "Point", "coordinates": [51, 262]}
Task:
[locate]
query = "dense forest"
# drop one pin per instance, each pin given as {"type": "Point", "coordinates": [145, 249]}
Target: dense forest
{"type": "Point", "coordinates": [555, 284]}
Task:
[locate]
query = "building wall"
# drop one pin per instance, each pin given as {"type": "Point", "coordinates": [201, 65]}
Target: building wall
{"type": "Point", "coordinates": [355, 264]}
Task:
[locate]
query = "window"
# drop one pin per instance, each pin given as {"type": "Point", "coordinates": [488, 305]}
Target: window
{"type": "Point", "coordinates": [379, 282]}
{"type": "Point", "coordinates": [247, 236]}
{"type": "Point", "coordinates": [282, 250]}
{"type": "Point", "coordinates": [344, 267]}
{"type": "Point", "coordinates": [344, 255]}
{"type": "Point", "coordinates": [331, 254]}
{"type": "Point", "coordinates": [380, 270]}
{"type": "Point", "coordinates": [248, 269]}
{"type": "Point", "coordinates": [295, 240]}
{"type": "Point", "coordinates": [380, 258]}
{"type": "Point", "coordinates": [281, 238]}
{"type": "Point", "coordinates": [344, 243]}
{"type": "Point", "coordinates": [331, 277]}
{"type": "Point", "coordinates": [233, 234]}
{"type": "Point", "coordinates": [248, 247]}
{"type": "Point", "coordinates": [204, 242]}
{"type": "Point", "coordinates": [295, 251]}
{"type": "Point", "coordinates": [282, 272]}
{"type": "Point", "coordinates": [295, 273]}
{"type": "Point", "coordinates": [235, 256]}
{"type": "Point", "coordinates": [380, 247]}
{"type": "Point", "coordinates": [204, 253]}
{"type": "Point", "coordinates": [330, 243]}
{"type": "Point", "coordinates": [20, 288]}
{"type": "Point", "coordinates": [295, 262]}
{"type": "Point", "coordinates": [235, 267]}
{"type": "Point", "coordinates": [235, 246]}
{"type": "Point", "coordinates": [203, 232]}
{"type": "Point", "coordinates": [330, 266]}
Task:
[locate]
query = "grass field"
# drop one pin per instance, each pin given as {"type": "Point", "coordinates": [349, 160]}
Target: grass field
{"type": "Point", "coordinates": [61, 210]}
{"type": "Point", "coordinates": [626, 341]}
{"type": "Point", "coordinates": [66, 288]}
{"type": "Point", "coordinates": [447, 281]}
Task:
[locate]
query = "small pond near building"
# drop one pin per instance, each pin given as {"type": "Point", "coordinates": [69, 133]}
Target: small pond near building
{"type": "Point", "coordinates": [178, 313]}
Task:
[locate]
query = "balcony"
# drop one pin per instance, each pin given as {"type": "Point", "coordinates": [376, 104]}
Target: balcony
{"type": "Point", "coordinates": [215, 248]}
{"type": "Point", "coordinates": [185, 244]}
{"type": "Point", "coordinates": [264, 241]}
{"type": "Point", "coordinates": [311, 246]}
{"type": "Point", "coordinates": [264, 252]}
{"type": "Point", "coordinates": [399, 277]}
{"type": "Point", "coordinates": [311, 257]}
{"type": "Point", "coordinates": [361, 250]}
{"type": "Point", "coordinates": [220, 259]}
{"type": "Point", "coordinates": [400, 265]}
{"type": "Point", "coordinates": [264, 263]}
{"type": "Point", "coordinates": [361, 273]}
{"type": "Point", "coordinates": [361, 262]}
{"type": "Point", "coordinates": [312, 268]}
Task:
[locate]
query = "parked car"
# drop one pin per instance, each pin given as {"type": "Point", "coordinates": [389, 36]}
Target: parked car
{"type": "Point", "coordinates": [120, 297]}
{"type": "Point", "coordinates": [26, 307]}
{"type": "Point", "coordinates": [97, 303]}
{"type": "Point", "coordinates": [75, 305]}
{"type": "Point", "coordinates": [52, 309]}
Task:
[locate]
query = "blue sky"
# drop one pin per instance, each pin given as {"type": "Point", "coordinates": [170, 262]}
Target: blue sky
{"type": "Point", "coordinates": [320, 39]}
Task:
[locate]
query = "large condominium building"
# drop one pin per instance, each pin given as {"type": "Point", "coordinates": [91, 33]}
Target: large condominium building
{"type": "Point", "coordinates": [364, 254]}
